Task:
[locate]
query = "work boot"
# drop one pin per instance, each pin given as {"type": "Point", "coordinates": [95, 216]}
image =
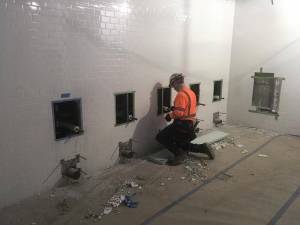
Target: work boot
{"type": "Point", "coordinates": [203, 148]}
{"type": "Point", "coordinates": [179, 159]}
{"type": "Point", "coordinates": [210, 152]}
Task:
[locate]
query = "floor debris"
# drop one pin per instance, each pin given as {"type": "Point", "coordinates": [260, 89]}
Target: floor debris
{"type": "Point", "coordinates": [93, 215]}
{"type": "Point", "coordinates": [225, 176]}
{"type": "Point", "coordinates": [116, 200]}
{"type": "Point", "coordinates": [123, 195]}
{"type": "Point", "coordinates": [107, 210]}
{"type": "Point", "coordinates": [244, 151]}
{"type": "Point", "coordinates": [262, 155]}
{"type": "Point", "coordinates": [231, 140]}
{"type": "Point", "coordinates": [133, 184]}
{"type": "Point", "coordinates": [263, 132]}
{"type": "Point", "coordinates": [195, 170]}
{"type": "Point", "coordinates": [130, 202]}
{"type": "Point", "coordinates": [228, 141]}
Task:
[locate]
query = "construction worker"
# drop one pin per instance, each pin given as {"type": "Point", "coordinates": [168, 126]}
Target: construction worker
{"type": "Point", "coordinates": [177, 136]}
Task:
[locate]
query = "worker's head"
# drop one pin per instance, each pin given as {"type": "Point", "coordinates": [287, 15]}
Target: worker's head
{"type": "Point", "coordinates": [176, 81]}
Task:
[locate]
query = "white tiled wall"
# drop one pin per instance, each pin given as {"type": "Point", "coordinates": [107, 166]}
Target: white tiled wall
{"type": "Point", "coordinates": [93, 49]}
{"type": "Point", "coordinates": [267, 36]}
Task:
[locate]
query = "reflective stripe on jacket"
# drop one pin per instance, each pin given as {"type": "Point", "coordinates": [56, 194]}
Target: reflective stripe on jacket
{"type": "Point", "coordinates": [184, 105]}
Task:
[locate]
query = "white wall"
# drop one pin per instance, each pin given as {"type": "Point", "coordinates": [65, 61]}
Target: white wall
{"type": "Point", "coordinates": [94, 49]}
{"type": "Point", "coordinates": [267, 36]}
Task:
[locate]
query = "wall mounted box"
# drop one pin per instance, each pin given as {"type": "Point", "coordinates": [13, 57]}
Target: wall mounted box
{"type": "Point", "coordinates": [67, 118]}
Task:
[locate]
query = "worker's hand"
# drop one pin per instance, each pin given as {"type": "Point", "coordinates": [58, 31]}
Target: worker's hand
{"type": "Point", "coordinates": [166, 109]}
{"type": "Point", "coordinates": [168, 118]}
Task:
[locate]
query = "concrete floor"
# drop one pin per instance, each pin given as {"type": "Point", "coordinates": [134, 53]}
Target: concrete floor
{"type": "Point", "coordinates": [242, 188]}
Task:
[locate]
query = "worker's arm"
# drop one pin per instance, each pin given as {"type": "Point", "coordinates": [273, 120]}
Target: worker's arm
{"type": "Point", "coordinates": [179, 107]}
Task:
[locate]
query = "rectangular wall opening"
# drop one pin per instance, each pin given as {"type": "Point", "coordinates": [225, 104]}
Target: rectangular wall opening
{"type": "Point", "coordinates": [163, 99]}
{"type": "Point", "coordinates": [124, 108]}
{"type": "Point", "coordinates": [67, 116]}
{"type": "Point", "coordinates": [218, 86]}
{"type": "Point", "coordinates": [196, 89]}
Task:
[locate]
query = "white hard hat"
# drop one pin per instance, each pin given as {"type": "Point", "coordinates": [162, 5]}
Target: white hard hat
{"type": "Point", "coordinates": [176, 78]}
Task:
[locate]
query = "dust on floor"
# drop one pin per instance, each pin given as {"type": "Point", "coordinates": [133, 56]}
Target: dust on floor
{"type": "Point", "coordinates": [150, 188]}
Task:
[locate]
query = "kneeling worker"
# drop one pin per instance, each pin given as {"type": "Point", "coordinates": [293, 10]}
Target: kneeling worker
{"type": "Point", "coordinates": [177, 136]}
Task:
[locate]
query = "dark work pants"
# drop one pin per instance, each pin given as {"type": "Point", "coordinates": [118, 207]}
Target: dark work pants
{"type": "Point", "coordinates": [177, 136]}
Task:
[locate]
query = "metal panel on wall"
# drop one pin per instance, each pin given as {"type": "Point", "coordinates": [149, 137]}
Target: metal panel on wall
{"type": "Point", "coordinates": [276, 94]}
{"type": "Point", "coordinates": [263, 90]}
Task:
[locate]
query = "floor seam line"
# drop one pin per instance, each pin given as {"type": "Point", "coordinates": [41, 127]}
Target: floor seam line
{"type": "Point", "coordinates": [278, 215]}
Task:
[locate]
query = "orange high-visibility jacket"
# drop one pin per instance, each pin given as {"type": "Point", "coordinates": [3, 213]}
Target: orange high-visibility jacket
{"type": "Point", "coordinates": [185, 105]}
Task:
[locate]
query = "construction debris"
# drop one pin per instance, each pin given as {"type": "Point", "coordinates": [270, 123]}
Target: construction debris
{"type": "Point", "coordinates": [219, 145]}
{"type": "Point", "coordinates": [262, 155]}
{"type": "Point", "coordinates": [130, 202]}
{"type": "Point", "coordinates": [229, 141]}
{"type": "Point", "coordinates": [244, 151]}
{"type": "Point", "coordinates": [195, 170]}
{"type": "Point", "coordinates": [92, 215]}
{"type": "Point", "coordinates": [194, 179]}
{"type": "Point", "coordinates": [264, 132]}
{"type": "Point", "coordinates": [225, 176]}
{"type": "Point", "coordinates": [116, 200]}
{"type": "Point", "coordinates": [133, 184]}
{"type": "Point", "coordinates": [107, 210]}
{"type": "Point", "coordinates": [123, 195]}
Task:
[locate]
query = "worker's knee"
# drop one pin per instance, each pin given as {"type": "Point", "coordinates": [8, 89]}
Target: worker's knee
{"type": "Point", "coordinates": [158, 137]}
{"type": "Point", "coordinates": [165, 135]}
